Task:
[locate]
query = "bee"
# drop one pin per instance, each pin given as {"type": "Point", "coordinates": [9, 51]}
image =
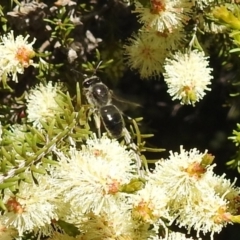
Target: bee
{"type": "Point", "coordinates": [100, 97]}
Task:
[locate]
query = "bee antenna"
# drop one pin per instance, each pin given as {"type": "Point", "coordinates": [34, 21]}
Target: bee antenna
{"type": "Point", "coordinates": [74, 70]}
{"type": "Point", "coordinates": [98, 66]}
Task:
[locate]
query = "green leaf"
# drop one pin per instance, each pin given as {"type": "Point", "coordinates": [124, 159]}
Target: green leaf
{"type": "Point", "coordinates": [17, 148]}
{"type": "Point", "coordinates": [12, 179]}
{"type": "Point", "coordinates": [34, 131]}
{"type": "Point", "coordinates": [2, 205]}
{"type": "Point", "coordinates": [6, 154]}
{"type": "Point", "coordinates": [38, 169]}
{"type": "Point", "coordinates": [7, 185]}
{"type": "Point", "coordinates": [78, 92]}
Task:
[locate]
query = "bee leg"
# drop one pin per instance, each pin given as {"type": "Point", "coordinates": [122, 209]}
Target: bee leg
{"type": "Point", "coordinates": [133, 146]}
{"type": "Point", "coordinates": [97, 121]}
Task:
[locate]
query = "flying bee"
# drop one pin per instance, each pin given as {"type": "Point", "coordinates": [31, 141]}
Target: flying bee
{"type": "Point", "coordinates": [100, 97]}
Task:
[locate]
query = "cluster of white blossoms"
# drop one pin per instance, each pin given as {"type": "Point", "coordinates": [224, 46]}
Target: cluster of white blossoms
{"type": "Point", "coordinates": [202, 3]}
{"type": "Point", "coordinates": [163, 15]}
{"type": "Point", "coordinates": [98, 172]}
{"type": "Point", "coordinates": [147, 50]}
{"type": "Point", "coordinates": [32, 209]}
{"type": "Point", "coordinates": [41, 103]}
{"type": "Point", "coordinates": [16, 55]}
{"type": "Point", "coordinates": [162, 32]}
{"type": "Point", "coordinates": [87, 188]}
{"type": "Point", "coordinates": [175, 236]}
{"type": "Point", "coordinates": [198, 199]}
{"type": "Point", "coordinates": [187, 76]}
{"type": "Point", "coordinates": [155, 48]}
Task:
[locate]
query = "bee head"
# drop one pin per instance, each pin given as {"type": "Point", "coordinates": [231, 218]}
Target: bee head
{"type": "Point", "coordinates": [88, 82]}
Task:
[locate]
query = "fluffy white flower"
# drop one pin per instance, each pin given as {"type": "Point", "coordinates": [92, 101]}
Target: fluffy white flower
{"type": "Point", "coordinates": [209, 215]}
{"type": "Point", "coordinates": [147, 51]}
{"type": "Point", "coordinates": [114, 223]}
{"type": "Point", "coordinates": [32, 208]}
{"type": "Point", "coordinates": [16, 55]}
{"type": "Point", "coordinates": [180, 177]}
{"type": "Point", "coordinates": [41, 104]}
{"type": "Point", "coordinates": [164, 14]}
{"type": "Point", "coordinates": [150, 204]}
{"type": "Point", "coordinates": [174, 236]}
{"type": "Point", "coordinates": [225, 189]}
{"type": "Point", "coordinates": [91, 179]}
{"type": "Point", "coordinates": [198, 198]}
{"type": "Point", "coordinates": [202, 3]}
{"type": "Point", "coordinates": [187, 76]}
{"type": "Point", "coordinates": [109, 149]}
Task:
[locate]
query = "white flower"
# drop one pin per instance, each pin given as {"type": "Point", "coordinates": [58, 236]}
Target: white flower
{"type": "Point", "coordinates": [16, 55]}
{"type": "Point", "coordinates": [196, 198]}
{"type": "Point", "coordinates": [147, 51]}
{"type": "Point", "coordinates": [41, 104]}
{"type": "Point", "coordinates": [114, 223]}
{"type": "Point", "coordinates": [164, 14]}
{"type": "Point", "coordinates": [226, 189]}
{"type": "Point", "coordinates": [91, 179]}
{"type": "Point", "coordinates": [209, 215]}
{"type": "Point", "coordinates": [109, 149]}
{"type": "Point", "coordinates": [180, 177]}
{"type": "Point", "coordinates": [150, 204]}
{"type": "Point", "coordinates": [187, 76]}
{"type": "Point", "coordinates": [202, 3]}
{"type": "Point", "coordinates": [145, 57]}
{"type": "Point", "coordinates": [32, 208]}
{"type": "Point", "coordinates": [174, 236]}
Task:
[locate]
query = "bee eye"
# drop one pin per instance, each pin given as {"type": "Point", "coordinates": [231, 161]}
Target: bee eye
{"type": "Point", "coordinates": [88, 82]}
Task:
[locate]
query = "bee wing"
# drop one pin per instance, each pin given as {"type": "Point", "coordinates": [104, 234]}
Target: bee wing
{"type": "Point", "coordinates": [122, 101]}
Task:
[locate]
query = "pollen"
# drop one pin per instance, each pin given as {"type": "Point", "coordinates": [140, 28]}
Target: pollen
{"type": "Point", "coordinates": [23, 55]}
{"type": "Point", "coordinates": [195, 170]}
{"type": "Point", "coordinates": [158, 6]}
{"type": "Point", "coordinates": [113, 187]}
{"type": "Point", "coordinates": [147, 52]}
{"type": "Point", "coordinates": [14, 206]}
{"type": "Point", "coordinates": [222, 216]}
{"type": "Point", "coordinates": [143, 211]}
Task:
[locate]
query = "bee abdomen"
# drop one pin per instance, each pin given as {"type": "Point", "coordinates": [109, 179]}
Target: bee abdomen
{"type": "Point", "coordinates": [112, 119]}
